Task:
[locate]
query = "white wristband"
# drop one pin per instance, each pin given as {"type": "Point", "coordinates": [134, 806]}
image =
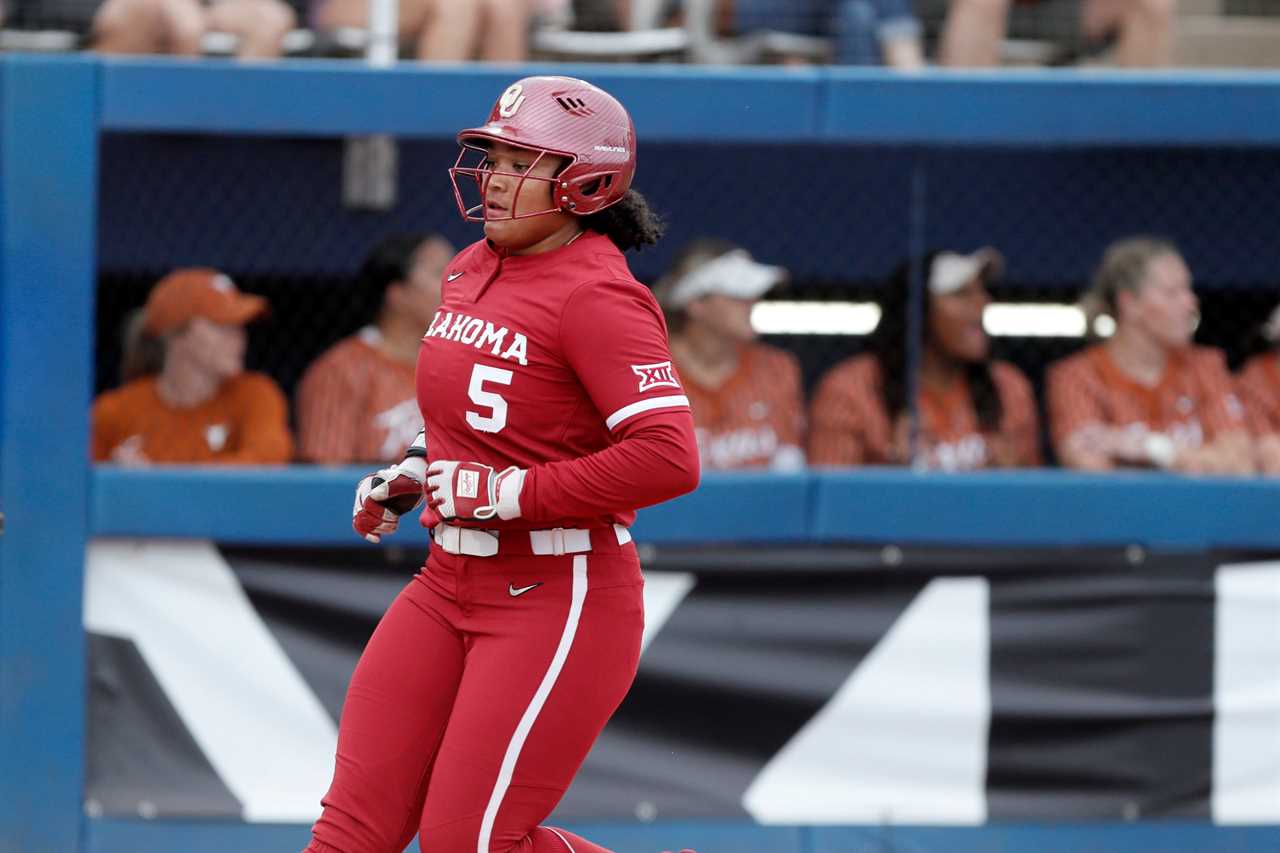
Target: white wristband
{"type": "Point", "coordinates": [415, 467]}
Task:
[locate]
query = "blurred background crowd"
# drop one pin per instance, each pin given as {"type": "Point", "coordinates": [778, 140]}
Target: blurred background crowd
{"type": "Point", "coordinates": [939, 354]}
{"type": "Point", "coordinates": [1138, 392]}
{"type": "Point", "coordinates": [905, 34]}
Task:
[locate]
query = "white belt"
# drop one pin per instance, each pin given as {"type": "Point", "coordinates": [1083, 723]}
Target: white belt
{"type": "Point", "coordinates": [556, 541]}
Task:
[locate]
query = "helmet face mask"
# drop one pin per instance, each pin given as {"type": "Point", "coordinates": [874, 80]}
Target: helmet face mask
{"type": "Point", "coordinates": [552, 116]}
{"type": "Point", "coordinates": [471, 175]}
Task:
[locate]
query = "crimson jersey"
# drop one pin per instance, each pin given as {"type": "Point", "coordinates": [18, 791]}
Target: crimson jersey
{"type": "Point", "coordinates": [539, 360]}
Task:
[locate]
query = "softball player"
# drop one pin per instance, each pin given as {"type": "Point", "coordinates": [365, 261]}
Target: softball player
{"type": "Point", "coordinates": [552, 412]}
{"type": "Point", "coordinates": [1147, 396]}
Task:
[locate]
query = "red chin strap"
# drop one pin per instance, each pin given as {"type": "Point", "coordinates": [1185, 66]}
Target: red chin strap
{"type": "Point", "coordinates": [479, 176]}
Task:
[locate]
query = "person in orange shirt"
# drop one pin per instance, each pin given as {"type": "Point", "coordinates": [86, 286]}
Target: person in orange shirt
{"type": "Point", "coordinates": [357, 402]}
{"type": "Point", "coordinates": [747, 399]}
{"type": "Point", "coordinates": [1259, 384]}
{"type": "Point", "coordinates": [973, 411]}
{"type": "Point", "coordinates": [1147, 397]}
{"type": "Point", "coordinates": [201, 407]}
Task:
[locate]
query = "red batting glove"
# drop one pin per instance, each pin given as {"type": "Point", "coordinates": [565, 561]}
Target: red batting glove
{"type": "Point", "coordinates": [381, 498]}
{"type": "Point", "coordinates": [430, 515]}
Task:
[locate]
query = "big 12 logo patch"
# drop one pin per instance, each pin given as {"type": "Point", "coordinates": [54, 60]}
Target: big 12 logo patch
{"type": "Point", "coordinates": [661, 375]}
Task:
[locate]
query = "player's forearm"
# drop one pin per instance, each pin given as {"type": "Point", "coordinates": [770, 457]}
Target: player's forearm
{"type": "Point", "coordinates": [1229, 453]}
{"type": "Point", "coordinates": [656, 462]}
{"type": "Point", "coordinates": [1079, 456]}
{"type": "Point", "coordinates": [1236, 453]}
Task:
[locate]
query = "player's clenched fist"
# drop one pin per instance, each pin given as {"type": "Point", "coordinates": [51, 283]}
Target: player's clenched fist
{"type": "Point", "coordinates": [471, 491]}
{"type": "Point", "coordinates": [383, 496]}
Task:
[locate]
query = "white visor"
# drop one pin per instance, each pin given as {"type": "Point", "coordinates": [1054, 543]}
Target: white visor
{"type": "Point", "coordinates": [732, 274]}
{"type": "Point", "coordinates": [1271, 329]}
{"type": "Point", "coordinates": [952, 271]}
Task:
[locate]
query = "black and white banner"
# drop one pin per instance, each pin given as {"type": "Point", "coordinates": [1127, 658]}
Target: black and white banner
{"type": "Point", "coordinates": [796, 686]}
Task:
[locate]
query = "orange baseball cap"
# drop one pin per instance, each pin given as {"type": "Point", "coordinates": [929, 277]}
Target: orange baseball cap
{"type": "Point", "coordinates": [199, 292]}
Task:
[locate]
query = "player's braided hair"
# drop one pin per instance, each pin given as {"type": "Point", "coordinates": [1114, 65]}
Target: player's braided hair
{"type": "Point", "coordinates": [889, 344]}
{"type": "Point", "coordinates": [630, 223]}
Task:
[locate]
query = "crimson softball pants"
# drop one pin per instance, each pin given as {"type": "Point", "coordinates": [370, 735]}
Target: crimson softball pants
{"type": "Point", "coordinates": [477, 699]}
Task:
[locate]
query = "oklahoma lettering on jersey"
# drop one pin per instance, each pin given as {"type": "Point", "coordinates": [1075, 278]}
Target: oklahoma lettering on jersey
{"type": "Point", "coordinates": [472, 331]}
{"type": "Point", "coordinates": [535, 359]}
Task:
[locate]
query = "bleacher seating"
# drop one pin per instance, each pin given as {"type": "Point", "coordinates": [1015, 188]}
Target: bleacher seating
{"type": "Point", "coordinates": [1218, 34]}
{"type": "Point", "coordinates": [1209, 34]}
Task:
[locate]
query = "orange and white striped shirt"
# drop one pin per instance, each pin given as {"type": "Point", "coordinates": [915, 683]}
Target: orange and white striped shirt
{"type": "Point", "coordinates": [1259, 386]}
{"type": "Point", "coordinates": [357, 404]}
{"type": "Point", "coordinates": [1193, 402]}
{"type": "Point", "coordinates": [756, 418]}
{"type": "Point", "coordinates": [850, 426]}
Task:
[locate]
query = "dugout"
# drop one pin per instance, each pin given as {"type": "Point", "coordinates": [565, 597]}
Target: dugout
{"type": "Point", "coordinates": [84, 209]}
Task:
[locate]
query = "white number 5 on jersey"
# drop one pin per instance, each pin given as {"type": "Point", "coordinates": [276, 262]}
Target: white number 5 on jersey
{"type": "Point", "coordinates": [497, 419]}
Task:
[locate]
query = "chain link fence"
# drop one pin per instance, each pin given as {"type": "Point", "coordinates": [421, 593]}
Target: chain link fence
{"type": "Point", "coordinates": [271, 214]}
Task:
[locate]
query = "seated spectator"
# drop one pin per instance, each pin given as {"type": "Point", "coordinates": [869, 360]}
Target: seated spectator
{"type": "Point", "coordinates": [358, 401]}
{"type": "Point", "coordinates": [202, 407]}
{"type": "Point", "coordinates": [1147, 397]}
{"type": "Point", "coordinates": [1259, 384]}
{"type": "Point", "coordinates": [1143, 29]}
{"type": "Point", "coordinates": [446, 30]}
{"type": "Point", "coordinates": [177, 26]}
{"type": "Point", "coordinates": [748, 406]}
{"type": "Point", "coordinates": [973, 411]}
{"type": "Point", "coordinates": [863, 32]}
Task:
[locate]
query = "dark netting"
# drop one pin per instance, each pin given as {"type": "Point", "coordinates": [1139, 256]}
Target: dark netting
{"type": "Point", "coordinates": [1251, 7]}
{"type": "Point", "coordinates": [1053, 213]}
{"type": "Point", "coordinates": [270, 213]}
{"type": "Point", "coordinates": [75, 16]}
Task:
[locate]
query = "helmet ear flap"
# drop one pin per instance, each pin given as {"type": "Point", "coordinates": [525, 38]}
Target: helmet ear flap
{"type": "Point", "coordinates": [603, 183]}
{"type": "Point", "coordinates": [589, 193]}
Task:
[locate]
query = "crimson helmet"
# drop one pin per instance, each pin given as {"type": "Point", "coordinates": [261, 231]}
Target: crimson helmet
{"type": "Point", "coordinates": [558, 116]}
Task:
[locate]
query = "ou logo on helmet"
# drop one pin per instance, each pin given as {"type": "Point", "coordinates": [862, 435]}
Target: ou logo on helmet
{"type": "Point", "coordinates": [510, 100]}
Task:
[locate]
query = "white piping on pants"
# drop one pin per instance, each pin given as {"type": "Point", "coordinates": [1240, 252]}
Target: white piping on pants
{"type": "Point", "coordinates": [567, 845]}
{"type": "Point", "coordinates": [535, 705]}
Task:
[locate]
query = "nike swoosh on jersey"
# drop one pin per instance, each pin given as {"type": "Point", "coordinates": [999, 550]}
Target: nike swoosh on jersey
{"type": "Point", "coordinates": [521, 590]}
{"type": "Point", "coordinates": [454, 275]}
